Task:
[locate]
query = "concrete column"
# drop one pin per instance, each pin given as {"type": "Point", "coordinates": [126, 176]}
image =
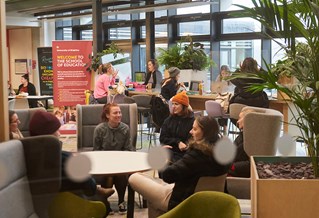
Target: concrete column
{"type": "Point", "coordinates": [97, 26]}
{"type": "Point", "coordinates": [150, 33]}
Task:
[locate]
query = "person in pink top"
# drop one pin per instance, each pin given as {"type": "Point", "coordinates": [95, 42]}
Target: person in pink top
{"type": "Point", "coordinates": [106, 79]}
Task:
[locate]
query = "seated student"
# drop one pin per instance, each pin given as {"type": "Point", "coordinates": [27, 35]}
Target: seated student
{"type": "Point", "coordinates": [241, 94]}
{"type": "Point", "coordinates": [154, 76]}
{"type": "Point", "coordinates": [180, 178]}
{"type": "Point", "coordinates": [45, 123]}
{"type": "Point", "coordinates": [175, 129]}
{"type": "Point", "coordinates": [170, 85]}
{"type": "Point", "coordinates": [14, 126]}
{"type": "Point", "coordinates": [241, 164]}
{"type": "Point", "coordinates": [106, 79]}
{"type": "Point", "coordinates": [112, 134]}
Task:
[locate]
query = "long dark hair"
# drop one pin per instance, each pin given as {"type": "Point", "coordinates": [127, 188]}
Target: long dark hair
{"type": "Point", "coordinates": [154, 62]}
{"type": "Point", "coordinates": [210, 129]}
{"type": "Point", "coordinates": [249, 65]}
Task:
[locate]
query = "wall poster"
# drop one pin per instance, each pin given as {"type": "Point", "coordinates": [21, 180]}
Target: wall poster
{"type": "Point", "coordinates": [21, 66]}
{"type": "Point", "coordinates": [45, 70]}
{"type": "Point", "coordinates": [70, 78]}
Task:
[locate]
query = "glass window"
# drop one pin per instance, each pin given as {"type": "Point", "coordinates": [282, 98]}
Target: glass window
{"type": "Point", "coordinates": [120, 33]}
{"type": "Point", "coordinates": [142, 16]}
{"type": "Point", "coordinates": [85, 20]}
{"type": "Point", "coordinates": [67, 33]}
{"type": "Point", "coordinates": [115, 17]}
{"type": "Point", "coordinates": [232, 53]}
{"type": "Point", "coordinates": [160, 31]}
{"type": "Point", "coordinates": [63, 23]}
{"type": "Point", "coordinates": [143, 56]}
{"type": "Point", "coordinates": [194, 10]}
{"type": "Point", "coordinates": [87, 35]}
{"type": "Point", "coordinates": [240, 25]}
{"type": "Point", "coordinates": [229, 5]}
{"type": "Point", "coordinates": [194, 28]}
{"type": "Point", "coordinates": [276, 52]}
{"type": "Point", "coordinates": [125, 69]}
{"type": "Point", "coordinates": [162, 13]}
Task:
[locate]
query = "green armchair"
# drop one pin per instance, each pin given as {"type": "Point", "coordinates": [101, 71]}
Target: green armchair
{"type": "Point", "coordinates": [206, 204]}
{"type": "Point", "coordinates": [67, 205]}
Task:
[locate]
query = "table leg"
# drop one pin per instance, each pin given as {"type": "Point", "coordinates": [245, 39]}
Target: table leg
{"type": "Point", "coordinates": [130, 202]}
{"type": "Point", "coordinates": [46, 104]}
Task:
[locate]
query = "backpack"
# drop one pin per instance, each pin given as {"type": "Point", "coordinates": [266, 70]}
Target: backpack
{"type": "Point", "coordinates": [159, 110]}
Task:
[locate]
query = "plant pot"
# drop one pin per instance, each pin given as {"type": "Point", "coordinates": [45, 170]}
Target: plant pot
{"type": "Point", "coordinates": [284, 198]}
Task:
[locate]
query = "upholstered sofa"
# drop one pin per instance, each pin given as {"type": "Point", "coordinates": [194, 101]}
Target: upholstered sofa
{"type": "Point", "coordinates": [30, 176]}
{"type": "Point", "coordinates": [89, 116]}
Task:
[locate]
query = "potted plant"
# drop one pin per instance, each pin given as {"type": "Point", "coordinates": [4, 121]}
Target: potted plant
{"type": "Point", "coordinates": [282, 68]}
{"type": "Point", "coordinates": [287, 20]}
{"type": "Point", "coordinates": [191, 58]}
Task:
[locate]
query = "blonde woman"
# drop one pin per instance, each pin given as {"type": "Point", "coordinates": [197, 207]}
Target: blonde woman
{"type": "Point", "coordinates": [106, 79]}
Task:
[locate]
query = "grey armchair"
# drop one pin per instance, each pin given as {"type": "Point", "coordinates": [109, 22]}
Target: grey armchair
{"type": "Point", "coordinates": [89, 116]}
{"type": "Point", "coordinates": [25, 117]}
{"type": "Point", "coordinates": [261, 129]}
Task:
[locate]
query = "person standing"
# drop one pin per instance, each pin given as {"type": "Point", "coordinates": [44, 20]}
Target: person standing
{"type": "Point", "coordinates": [27, 87]}
{"type": "Point", "coordinates": [181, 177]}
{"type": "Point", "coordinates": [154, 76]}
{"type": "Point", "coordinates": [112, 134]}
{"type": "Point", "coordinates": [106, 79]}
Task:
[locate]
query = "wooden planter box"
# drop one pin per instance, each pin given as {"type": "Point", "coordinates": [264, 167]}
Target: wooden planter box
{"type": "Point", "coordinates": [283, 198]}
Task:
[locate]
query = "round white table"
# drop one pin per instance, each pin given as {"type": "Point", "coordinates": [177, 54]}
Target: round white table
{"type": "Point", "coordinates": [116, 163]}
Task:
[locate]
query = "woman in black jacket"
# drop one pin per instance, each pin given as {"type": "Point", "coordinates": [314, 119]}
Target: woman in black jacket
{"type": "Point", "coordinates": [241, 94]}
{"type": "Point", "coordinates": [170, 85]}
{"type": "Point", "coordinates": [180, 178]}
{"type": "Point", "coordinates": [175, 129]}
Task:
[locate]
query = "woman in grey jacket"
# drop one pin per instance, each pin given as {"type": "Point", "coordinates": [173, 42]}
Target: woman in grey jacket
{"type": "Point", "coordinates": [112, 134]}
{"type": "Point", "coordinates": [180, 178]}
